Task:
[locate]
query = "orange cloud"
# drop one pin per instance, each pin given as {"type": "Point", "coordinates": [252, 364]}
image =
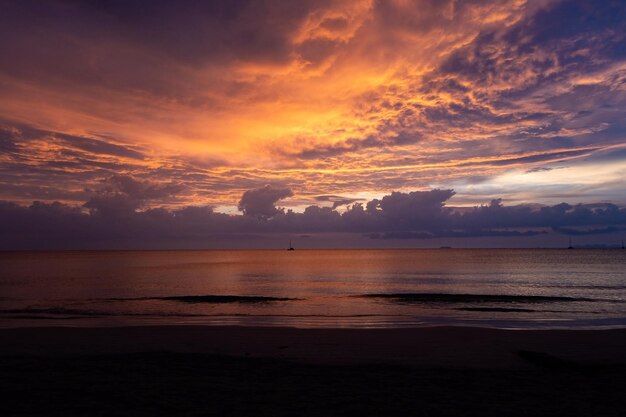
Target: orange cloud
{"type": "Point", "coordinates": [345, 97]}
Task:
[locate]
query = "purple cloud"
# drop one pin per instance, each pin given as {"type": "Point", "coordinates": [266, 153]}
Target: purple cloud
{"type": "Point", "coordinates": [260, 202]}
{"type": "Point", "coordinates": [116, 219]}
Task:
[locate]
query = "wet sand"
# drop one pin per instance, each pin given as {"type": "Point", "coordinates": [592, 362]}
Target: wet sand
{"type": "Point", "coordinates": [199, 370]}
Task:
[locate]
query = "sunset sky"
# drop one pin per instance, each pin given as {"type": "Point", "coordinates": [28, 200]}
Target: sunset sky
{"type": "Point", "coordinates": [324, 103]}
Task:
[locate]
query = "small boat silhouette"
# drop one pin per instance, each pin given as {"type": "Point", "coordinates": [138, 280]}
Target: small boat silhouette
{"type": "Point", "coordinates": [290, 247]}
{"type": "Point", "coordinates": [570, 244]}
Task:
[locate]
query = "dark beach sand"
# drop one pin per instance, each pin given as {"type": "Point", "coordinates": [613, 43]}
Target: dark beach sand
{"type": "Point", "coordinates": [199, 370]}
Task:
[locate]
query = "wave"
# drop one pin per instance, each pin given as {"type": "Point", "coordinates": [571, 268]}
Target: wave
{"type": "Point", "coordinates": [220, 299]}
{"type": "Point", "coordinates": [589, 287]}
{"type": "Point", "coordinates": [66, 313]}
{"type": "Point", "coordinates": [498, 309]}
{"type": "Point", "coordinates": [61, 312]}
{"type": "Point", "coordinates": [51, 311]}
{"type": "Point", "coordinates": [473, 298]}
{"type": "Point", "coordinates": [210, 299]}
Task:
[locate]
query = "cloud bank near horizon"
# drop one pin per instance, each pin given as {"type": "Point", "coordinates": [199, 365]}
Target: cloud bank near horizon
{"type": "Point", "coordinates": [117, 213]}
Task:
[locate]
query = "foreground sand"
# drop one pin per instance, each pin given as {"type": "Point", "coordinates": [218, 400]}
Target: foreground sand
{"type": "Point", "coordinates": [446, 347]}
{"type": "Point", "coordinates": [196, 370]}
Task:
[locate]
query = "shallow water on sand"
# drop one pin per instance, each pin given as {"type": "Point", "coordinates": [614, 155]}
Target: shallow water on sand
{"type": "Point", "coordinates": [537, 288]}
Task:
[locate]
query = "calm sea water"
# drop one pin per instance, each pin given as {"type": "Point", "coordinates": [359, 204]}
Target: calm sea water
{"type": "Point", "coordinates": [316, 288]}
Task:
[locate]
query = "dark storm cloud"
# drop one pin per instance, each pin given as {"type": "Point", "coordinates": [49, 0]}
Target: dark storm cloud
{"type": "Point", "coordinates": [115, 216]}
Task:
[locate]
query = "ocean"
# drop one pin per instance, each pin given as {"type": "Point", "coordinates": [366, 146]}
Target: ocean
{"type": "Point", "coordinates": [499, 288]}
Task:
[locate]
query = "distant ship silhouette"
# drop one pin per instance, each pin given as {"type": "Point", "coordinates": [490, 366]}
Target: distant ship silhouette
{"type": "Point", "coordinates": [290, 247]}
{"type": "Point", "coordinates": [570, 244]}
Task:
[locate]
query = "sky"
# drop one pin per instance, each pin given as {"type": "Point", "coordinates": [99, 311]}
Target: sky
{"type": "Point", "coordinates": [297, 117]}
